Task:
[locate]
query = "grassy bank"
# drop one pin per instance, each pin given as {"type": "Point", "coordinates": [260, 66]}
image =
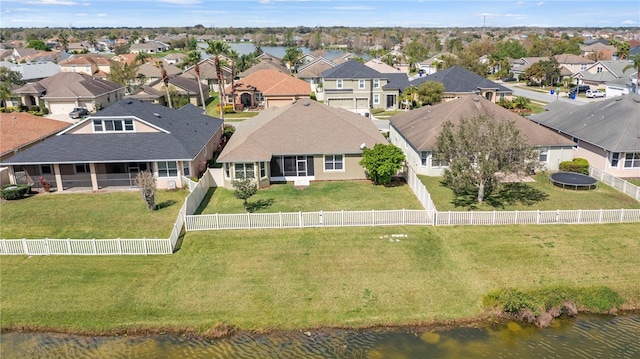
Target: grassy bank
{"type": "Point", "coordinates": [293, 279]}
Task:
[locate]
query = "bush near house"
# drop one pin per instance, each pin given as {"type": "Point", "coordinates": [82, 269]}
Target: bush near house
{"type": "Point", "coordinates": [577, 165]}
{"type": "Point", "coordinates": [13, 192]}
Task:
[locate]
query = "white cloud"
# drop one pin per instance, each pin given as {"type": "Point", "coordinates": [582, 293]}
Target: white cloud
{"type": "Point", "coordinates": [181, 2]}
{"type": "Point", "coordinates": [265, 1]}
{"type": "Point", "coordinates": [53, 2]}
{"type": "Point", "coordinates": [102, 15]}
{"type": "Point", "coordinates": [629, 22]}
{"type": "Point", "coordinates": [540, 3]}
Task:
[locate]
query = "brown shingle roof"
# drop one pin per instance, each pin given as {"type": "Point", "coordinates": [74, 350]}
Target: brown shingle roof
{"type": "Point", "coordinates": [421, 127]}
{"type": "Point", "coordinates": [272, 83]}
{"type": "Point", "coordinates": [71, 85]}
{"type": "Point", "coordinates": [305, 127]}
{"type": "Point", "coordinates": [18, 129]}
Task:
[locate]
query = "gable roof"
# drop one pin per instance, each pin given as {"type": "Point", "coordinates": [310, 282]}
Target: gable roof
{"type": "Point", "coordinates": [381, 67]}
{"type": "Point", "coordinates": [305, 127]}
{"type": "Point", "coordinates": [458, 79]}
{"type": "Point", "coordinates": [272, 82]}
{"type": "Point", "coordinates": [352, 69]}
{"type": "Point", "coordinates": [267, 64]}
{"type": "Point", "coordinates": [71, 85]}
{"type": "Point", "coordinates": [149, 69]}
{"type": "Point", "coordinates": [36, 70]}
{"type": "Point", "coordinates": [207, 70]}
{"type": "Point", "coordinates": [86, 60]}
{"type": "Point", "coordinates": [421, 127]}
{"type": "Point", "coordinates": [184, 132]}
{"type": "Point", "coordinates": [398, 81]}
{"type": "Point", "coordinates": [18, 129]}
{"type": "Point", "coordinates": [613, 124]}
{"type": "Point", "coordinates": [315, 68]}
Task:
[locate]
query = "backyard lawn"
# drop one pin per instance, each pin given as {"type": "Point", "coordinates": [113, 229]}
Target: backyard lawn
{"type": "Point", "coordinates": [90, 215]}
{"type": "Point", "coordinates": [316, 277]}
{"type": "Point", "coordinates": [550, 197]}
{"type": "Point", "coordinates": [319, 196]}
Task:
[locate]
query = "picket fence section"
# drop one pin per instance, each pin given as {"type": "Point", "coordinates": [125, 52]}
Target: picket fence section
{"type": "Point", "coordinates": [618, 183]}
{"type": "Point", "coordinates": [68, 246]}
{"type": "Point", "coordinates": [419, 189]}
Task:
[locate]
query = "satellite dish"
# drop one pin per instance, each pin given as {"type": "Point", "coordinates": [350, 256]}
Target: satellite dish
{"type": "Point", "coordinates": [362, 146]}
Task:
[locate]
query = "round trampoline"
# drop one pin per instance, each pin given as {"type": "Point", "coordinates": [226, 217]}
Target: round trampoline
{"type": "Point", "coordinates": [576, 181]}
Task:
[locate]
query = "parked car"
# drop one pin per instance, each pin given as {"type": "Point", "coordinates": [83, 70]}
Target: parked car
{"type": "Point", "coordinates": [508, 79]}
{"type": "Point", "coordinates": [79, 112]}
{"type": "Point", "coordinates": [580, 88]}
{"type": "Point", "coordinates": [595, 93]}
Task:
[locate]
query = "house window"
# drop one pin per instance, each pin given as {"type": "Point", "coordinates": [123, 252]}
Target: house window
{"type": "Point", "coordinates": [502, 96]}
{"type": "Point", "coordinates": [186, 169]}
{"type": "Point", "coordinates": [87, 69]}
{"type": "Point", "coordinates": [263, 170]}
{"type": "Point", "coordinates": [227, 170]}
{"type": "Point", "coordinates": [45, 169]}
{"type": "Point", "coordinates": [339, 84]}
{"type": "Point", "coordinates": [333, 163]}
{"type": "Point", "coordinates": [74, 69]}
{"type": "Point", "coordinates": [544, 154]}
{"type": "Point", "coordinates": [632, 160]}
{"type": "Point", "coordinates": [167, 169]}
{"type": "Point", "coordinates": [576, 141]}
{"type": "Point", "coordinates": [361, 84]}
{"type": "Point", "coordinates": [244, 170]}
{"type": "Point", "coordinates": [376, 99]}
{"type": "Point", "coordinates": [599, 69]}
{"type": "Point", "coordinates": [615, 158]}
{"type": "Point", "coordinates": [376, 83]}
{"type": "Point", "coordinates": [583, 67]}
{"type": "Point", "coordinates": [113, 125]}
{"type": "Point", "coordinates": [82, 168]}
{"type": "Point", "coordinates": [423, 158]}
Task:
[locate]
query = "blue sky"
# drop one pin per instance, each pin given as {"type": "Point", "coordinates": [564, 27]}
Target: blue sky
{"type": "Point", "coordinates": [264, 13]}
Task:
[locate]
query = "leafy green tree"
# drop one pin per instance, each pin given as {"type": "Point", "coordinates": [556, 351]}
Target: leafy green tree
{"type": "Point", "coordinates": [430, 92]}
{"type": "Point", "coordinates": [382, 161]}
{"type": "Point", "coordinates": [479, 149]}
{"type": "Point", "coordinates": [416, 52]}
{"type": "Point", "coordinates": [622, 47]}
{"type": "Point", "coordinates": [11, 77]}
{"type": "Point", "coordinates": [511, 48]}
{"type": "Point", "coordinates": [540, 47]}
{"type": "Point", "coordinates": [544, 72]}
{"type": "Point", "coordinates": [244, 188]}
{"type": "Point", "coordinates": [38, 45]}
{"type": "Point", "coordinates": [292, 58]}
{"type": "Point", "coordinates": [124, 74]}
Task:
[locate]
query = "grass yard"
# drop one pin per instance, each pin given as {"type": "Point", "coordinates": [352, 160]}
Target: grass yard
{"type": "Point", "coordinates": [90, 215]}
{"type": "Point", "coordinates": [319, 196]}
{"type": "Point", "coordinates": [309, 278]}
{"type": "Point", "coordinates": [604, 197]}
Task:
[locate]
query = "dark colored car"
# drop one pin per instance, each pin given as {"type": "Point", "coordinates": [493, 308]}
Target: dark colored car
{"type": "Point", "coordinates": [580, 88]}
{"type": "Point", "coordinates": [79, 112]}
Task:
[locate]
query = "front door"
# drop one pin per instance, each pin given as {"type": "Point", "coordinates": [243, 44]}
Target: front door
{"type": "Point", "coordinates": [302, 166]}
{"type": "Point", "coordinates": [391, 101]}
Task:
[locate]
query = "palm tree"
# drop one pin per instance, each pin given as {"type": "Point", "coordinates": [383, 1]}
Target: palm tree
{"type": "Point", "coordinates": [234, 57]}
{"type": "Point", "coordinates": [63, 39]}
{"type": "Point", "coordinates": [165, 79]}
{"type": "Point", "coordinates": [292, 58]}
{"type": "Point", "coordinates": [142, 57]}
{"type": "Point", "coordinates": [217, 48]}
{"type": "Point", "coordinates": [193, 58]}
{"type": "Point", "coordinates": [635, 64]}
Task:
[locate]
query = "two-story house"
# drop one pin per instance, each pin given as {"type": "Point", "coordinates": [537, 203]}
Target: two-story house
{"type": "Point", "coordinates": [358, 88]}
{"type": "Point", "coordinates": [93, 65]}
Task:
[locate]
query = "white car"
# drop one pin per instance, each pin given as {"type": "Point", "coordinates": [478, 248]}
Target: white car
{"type": "Point", "coordinates": [595, 93]}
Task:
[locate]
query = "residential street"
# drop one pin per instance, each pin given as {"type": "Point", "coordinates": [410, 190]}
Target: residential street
{"type": "Point", "coordinates": [543, 97]}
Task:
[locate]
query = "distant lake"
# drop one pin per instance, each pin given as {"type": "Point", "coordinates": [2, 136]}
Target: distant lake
{"type": "Point", "coordinates": [244, 48]}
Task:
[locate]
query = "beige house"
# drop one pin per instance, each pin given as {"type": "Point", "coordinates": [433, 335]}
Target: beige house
{"type": "Point", "coordinates": [267, 88]}
{"type": "Point", "coordinates": [301, 142]}
{"type": "Point", "coordinates": [62, 92]}
{"type": "Point", "coordinates": [109, 148]}
{"type": "Point", "coordinates": [416, 133]}
{"type": "Point", "coordinates": [93, 65]}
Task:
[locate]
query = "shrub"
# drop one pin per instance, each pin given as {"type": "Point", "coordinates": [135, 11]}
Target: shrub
{"type": "Point", "coordinates": [35, 108]}
{"type": "Point", "coordinates": [46, 185]}
{"type": "Point", "coordinates": [13, 192]}
{"type": "Point", "coordinates": [577, 165]}
{"type": "Point", "coordinates": [45, 111]}
{"type": "Point", "coordinates": [227, 108]}
{"type": "Point", "coordinates": [313, 96]}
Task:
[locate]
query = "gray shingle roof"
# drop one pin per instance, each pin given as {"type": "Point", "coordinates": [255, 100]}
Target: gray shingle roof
{"type": "Point", "coordinates": [188, 130]}
{"type": "Point", "coordinates": [612, 124]}
{"type": "Point", "coordinates": [399, 81]}
{"type": "Point", "coordinates": [458, 79]}
{"type": "Point", "coordinates": [352, 69]}
{"type": "Point", "coordinates": [72, 85]}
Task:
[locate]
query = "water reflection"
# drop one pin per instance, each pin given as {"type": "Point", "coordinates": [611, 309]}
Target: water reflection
{"type": "Point", "coordinates": [585, 337]}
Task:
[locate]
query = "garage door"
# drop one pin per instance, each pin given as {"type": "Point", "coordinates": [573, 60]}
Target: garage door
{"type": "Point", "coordinates": [340, 102]}
{"type": "Point", "coordinates": [278, 103]}
{"type": "Point", "coordinates": [61, 108]}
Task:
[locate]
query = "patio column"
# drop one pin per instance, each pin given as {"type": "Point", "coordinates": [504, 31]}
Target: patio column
{"type": "Point", "coordinates": [56, 172]}
{"type": "Point", "coordinates": [12, 175]}
{"type": "Point", "coordinates": [94, 176]}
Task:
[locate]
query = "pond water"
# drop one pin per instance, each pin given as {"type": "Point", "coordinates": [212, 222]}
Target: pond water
{"type": "Point", "coordinates": [584, 337]}
{"type": "Point", "coordinates": [244, 48]}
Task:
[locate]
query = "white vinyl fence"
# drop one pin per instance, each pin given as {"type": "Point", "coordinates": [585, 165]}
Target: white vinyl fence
{"type": "Point", "coordinates": [419, 189]}
{"type": "Point", "coordinates": [618, 183]}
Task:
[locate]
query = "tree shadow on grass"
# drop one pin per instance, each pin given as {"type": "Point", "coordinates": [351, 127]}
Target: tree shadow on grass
{"type": "Point", "coordinates": [506, 194]}
{"type": "Point", "coordinates": [165, 204]}
{"type": "Point", "coordinates": [206, 200]}
{"type": "Point", "coordinates": [259, 204]}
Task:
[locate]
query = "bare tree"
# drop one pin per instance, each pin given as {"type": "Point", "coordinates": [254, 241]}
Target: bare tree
{"type": "Point", "coordinates": [147, 184]}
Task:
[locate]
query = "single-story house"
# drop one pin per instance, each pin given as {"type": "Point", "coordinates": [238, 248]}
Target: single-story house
{"type": "Point", "coordinates": [267, 62]}
{"type": "Point", "coordinates": [63, 91]}
{"type": "Point", "coordinates": [109, 148]}
{"type": "Point", "coordinates": [460, 82]}
{"type": "Point", "coordinates": [606, 133]}
{"type": "Point", "coordinates": [267, 88]}
{"type": "Point", "coordinates": [301, 142]}
{"type": "Point", "coordinates": [35, 71]}
{"type": "Point", "coordinates": [151, 47]}
{"type": "Point", "coordinates": [417, 131]}
{"type": "Point", "coordinates": [208, 73]}
{"type": "Point", "coordinates": [150, 72]}
{"type": "Point", "coordinates": [185, 87]}
{"type": "Point", "coordinates": [609, 75]}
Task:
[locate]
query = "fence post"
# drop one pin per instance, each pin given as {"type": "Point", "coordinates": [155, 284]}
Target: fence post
{"type": "Point", "coordinates": [373, 217]}
{"type": "Point", "coordinates": [515, 220]}
{"type": "Point", "coordinates": [280, 218]}
{"type": "Point", "coordinates": [69, 245]}
{"type": "Point", "coordinates": [449, 221]}
{"type": "Point", "coordinates": [321, 219]}
{"type": "Point", "coordinates": [579, 216]}
{"type": "Point", "coordinates": [144, 243]}
{"type": "Point", "coordinates": [300, 218]}
{"type": "Point", "coordinates": [538, 216]}
{"type": "Point", "coordinates": [621, 214]}
{"type": "Point", "coordinates": [403, 217]}
{"type": "Point", "coordinates": [600, 218]}
{"type": "Point", "coordinates": [5, 250]}
{"type": "Point", "coordinates": [120, 243]}
{"type": "Point", "coordinates": [435, 218]}
{"type": "Point", "coordinates": [24, 246]}
{"type": "Point", "coordinates": [471, 218]}
{"type": "Point", "coordinates": [46, 243]}
{"type": "Point", "coordinates": [217, 220]}
{"type": "Point", "coordinates": [342, 218]}
{"type": "Point", "coordinates": [95, 248]}
{"type": "Point", "coordinates": [493, 221]}
{"type": "Point", "coordinates": [249, 220]}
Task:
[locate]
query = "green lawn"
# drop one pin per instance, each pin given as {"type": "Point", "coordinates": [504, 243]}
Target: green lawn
{"type": "Point", "coordinates": [90, 215]}
{"type": "Point", "coordinates": [309, 278]}
{"type": "Point", "coordinates": [635, 182]}
{"type": "Point", "coordinates": [319, 196]}
{"type": "Point", "coordinates": [604, 197]}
